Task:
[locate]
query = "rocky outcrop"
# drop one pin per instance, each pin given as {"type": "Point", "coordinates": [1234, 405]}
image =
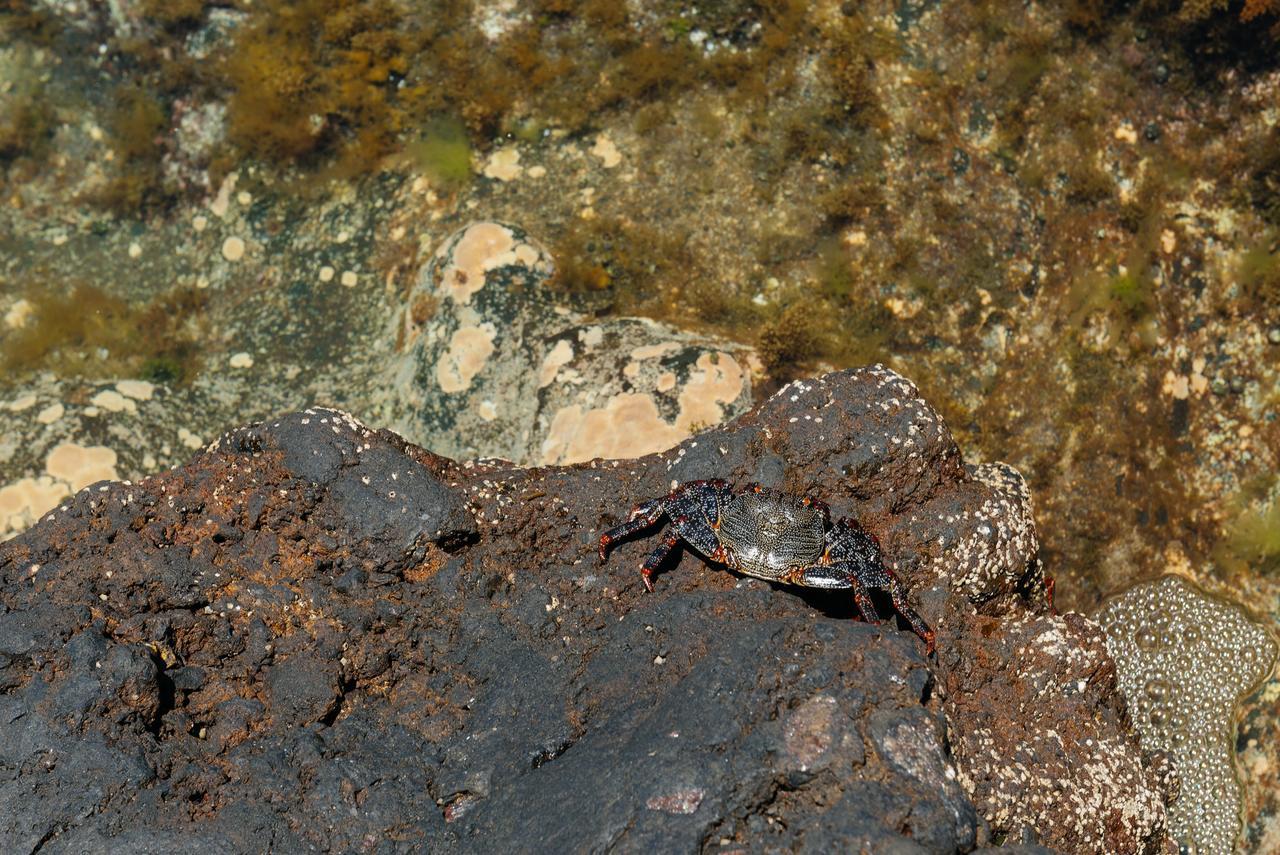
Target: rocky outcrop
{"type": "Point", "coordinates": [496, 362]}
{"type": "Point", "coordinates": [318, 635]}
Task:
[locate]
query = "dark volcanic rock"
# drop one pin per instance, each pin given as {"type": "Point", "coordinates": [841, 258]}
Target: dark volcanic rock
{"type": "Point", "coordinates": [316, 636]}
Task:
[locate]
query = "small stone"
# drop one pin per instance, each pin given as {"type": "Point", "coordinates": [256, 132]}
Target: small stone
{"type": "Point", "coordinates": [1237, 385]}
{"type": "Point", "coordinates": [1151, 132]}
{"type": "Point", "coordinates": [1273, 335]}
{"type": "Point", "coordinates": [608, 153]}
{"type": "Point", "coordinates": [981, 75]}
{"type": "Point", "coordinates": [327, 273]}
{"type": "Point", "coordinates": [349, 278]}
{"type": "Point", "coordinates": [1218, 386]}
{"type": "Point", "coordinates": [233, 248]}
{"type": "Point", "coordinates": [504, 164]}
{"type": "Point", "coordinates": [241, 360]}
{"type": "Point", "coordinates": [134, 250]}
{"type": "Point", "coordinates": [1162, 74]}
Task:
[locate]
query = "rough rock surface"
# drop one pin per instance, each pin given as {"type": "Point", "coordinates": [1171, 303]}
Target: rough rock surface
{"type": "Point", "coordinates": [485, 359]}
{"type": "Point", "coordinates": [497, 363]}
{"type": "Point", "coordinates": [318, 635]}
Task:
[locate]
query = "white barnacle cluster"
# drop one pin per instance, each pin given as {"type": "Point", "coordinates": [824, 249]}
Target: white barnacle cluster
{"type": "Point", "coordinates": [989, 541]}
{"type": "Point", "coordinates": [1185, 660]}
{"type": "Point", "coordinates": [1002, 533]}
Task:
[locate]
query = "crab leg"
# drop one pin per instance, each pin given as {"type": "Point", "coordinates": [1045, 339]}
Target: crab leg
{"type": "Point", "coordinates": [656, 558]}
{"type": "Point", "coordinates": [881, 579]}
{"type": "Point", "coordinates": [644, 515]}
{"type": "Point", "coordinates": [860, 577]}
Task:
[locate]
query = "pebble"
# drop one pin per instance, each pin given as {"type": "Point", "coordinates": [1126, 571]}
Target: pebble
{"type": "Point", "coordinates": [1273, 335]}
{"type": "Point", "coordinates": [349, 278]}
{"type": "Point", "coordinates": [1162, 73]}
{"type": "Point", "coordinates": [233, 249]}
{"type": "Point", "coordinates": [241, 360]}
{"type": "Point", "coordinates": [1218, 386]}
{"type": "Point", "coordinates": [326, 273]}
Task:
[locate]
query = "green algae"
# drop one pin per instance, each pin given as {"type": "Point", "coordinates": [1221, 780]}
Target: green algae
{"type": "Point", "coordinates": [443, 153]}
{"type": "Point", "coordinates": [1251, 535]}
{"type": "Point", "coordinates": [87, 332]}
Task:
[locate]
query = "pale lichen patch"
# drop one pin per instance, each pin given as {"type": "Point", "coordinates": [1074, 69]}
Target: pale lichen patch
{"type": "Point", "coordinates": [556, 358]}
{"type": "Point", "coordinates": [504, 164]}
{"type": "Point", "coordinates": [717, 380]}
{"type": "Point", "coordinates": [25, 500]}
{"type": "Point", "coordinates": [80, 465]}
{"type": "Point", "coordinates": [51, 413]}
{"type": "Point", "coordinates": [113, 402]}
{"type": "Point", "coordinates": [18, 313]}
{"type": "Point", "coordinates": [480, 248]}
{"type": "Point", "coordinates": [469, 350]}
{"type": "Point", "coordinates": [629, 425]}
{"type": "Point", "coordinates": [607, 151]}
{"type": "Point", "coordinates": [139, 390]}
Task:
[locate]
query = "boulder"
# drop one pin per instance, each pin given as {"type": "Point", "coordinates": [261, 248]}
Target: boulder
{"type": "Point", "coordinates": [317, 635]}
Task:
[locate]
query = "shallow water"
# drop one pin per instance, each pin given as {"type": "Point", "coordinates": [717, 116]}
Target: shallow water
{"type": "Point", "coordinates": [1061, 223]}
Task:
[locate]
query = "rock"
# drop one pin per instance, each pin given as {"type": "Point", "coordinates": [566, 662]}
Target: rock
{"type": "Point", "coordinates": [488, 361]}
{"type": "Point", "coordinates": [319, 635]}
{"type": "Point", "coordinates": [1186, 661]}
{"type": "Point", "coordinates": [498, 364]}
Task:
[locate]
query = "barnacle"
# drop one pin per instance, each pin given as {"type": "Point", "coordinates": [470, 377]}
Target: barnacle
{"type": "Point", "coordinates": [1185, 660]}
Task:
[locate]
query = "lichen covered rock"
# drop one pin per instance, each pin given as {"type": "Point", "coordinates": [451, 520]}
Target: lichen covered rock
{"type": "Point", "coordinates": [496, 363]}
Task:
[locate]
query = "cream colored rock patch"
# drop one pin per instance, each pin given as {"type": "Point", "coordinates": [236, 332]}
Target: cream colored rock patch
{"type": "Point", "coordinates": [649, 351]}
{"type": "Point", "coordinates": [559, 356]}
{"type": "Point", "coordinates": [25, 501]}
{"type": "Point", "coordinates": [718, 379]}
{"type": "Point", "coordinates": [629, 425]}
{"type": "Point", "coordinates": [68, 468]}
{"type": "Point", "coordinates": [81, 465]}
{"type": "Point", "coordinates": [504, 164]}
{"type": "Point", "coordinates": [469, 349]}
{"type": "Point", "coordinates": [16, 317]}
{"type": "Point", "coordinates": [607, 151]}
{"type": "Point", "coordinates": [483, 247]}
{"type": "Point", "coordinates": [139, 390]}
{"type": "Point", "coordinates": [51, 413]}
{"type": "Point", "coordinates": [113, 402]}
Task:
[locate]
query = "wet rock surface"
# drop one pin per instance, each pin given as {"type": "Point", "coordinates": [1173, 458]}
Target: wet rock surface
{"type": "Point", "coordinates": [318, 635]}
{"type": "Point", "coordinates": [499, 363]}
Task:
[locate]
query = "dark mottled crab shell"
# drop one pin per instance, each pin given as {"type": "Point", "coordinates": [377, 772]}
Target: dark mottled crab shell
{"type": "Point", "coordinates": [766, 534]}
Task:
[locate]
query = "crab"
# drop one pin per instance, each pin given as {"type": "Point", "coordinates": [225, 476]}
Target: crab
{"type": "Point", "coordinates": [769, 535]}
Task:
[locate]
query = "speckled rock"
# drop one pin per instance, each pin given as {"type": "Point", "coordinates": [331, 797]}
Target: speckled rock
{"type": "Point", "coordinates": [1186, 661]}
{"type": "Point", "coordinates": [498, 364]}
{"type": "Point", "coordinates": [1039, 739]}
{"type": "Point", "coordinates": [316, 635]}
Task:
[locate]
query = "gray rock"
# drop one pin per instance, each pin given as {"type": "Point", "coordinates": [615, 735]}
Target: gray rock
{"type": "Point", "coordinates": [497, 364]}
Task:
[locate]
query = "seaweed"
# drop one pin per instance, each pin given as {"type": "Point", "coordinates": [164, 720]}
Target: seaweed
{"type": "Point", "coordinates": [86, 332]}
